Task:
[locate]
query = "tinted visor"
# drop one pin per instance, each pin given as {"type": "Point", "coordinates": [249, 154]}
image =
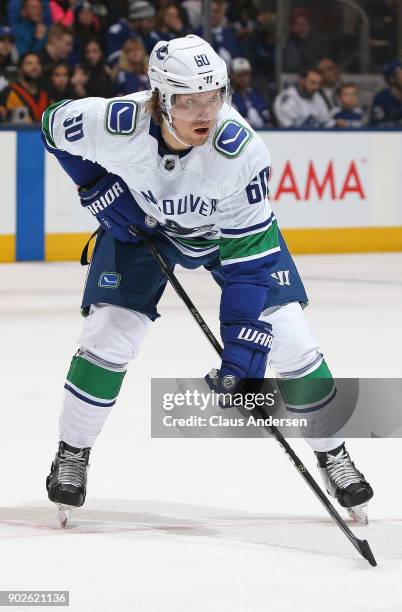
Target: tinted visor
{"type": "Point", "coordinates": [198, 107]}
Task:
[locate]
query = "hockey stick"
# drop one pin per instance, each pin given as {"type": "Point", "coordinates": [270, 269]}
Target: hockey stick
{"type": "Point", "coordinates": [362, 546]}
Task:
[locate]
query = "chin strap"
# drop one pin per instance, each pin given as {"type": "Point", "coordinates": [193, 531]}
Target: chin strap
{"type": "Point", "coordinates": [171, 130]}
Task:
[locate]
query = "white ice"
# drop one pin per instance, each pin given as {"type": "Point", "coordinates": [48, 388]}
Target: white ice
{"type": "Point", "coordinates": [187, 524]}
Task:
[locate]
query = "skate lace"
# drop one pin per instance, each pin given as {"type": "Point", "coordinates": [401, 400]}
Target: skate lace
{"type": "Point", "coordinates": [72, 468]}
{"type": "Point", "coordinates": [342, 471]}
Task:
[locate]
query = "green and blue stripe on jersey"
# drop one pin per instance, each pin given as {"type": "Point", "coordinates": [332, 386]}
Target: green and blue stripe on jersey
{"type": "Point", "coordinates": [48, 121]}
{"type": "Point", "coordinates": [259, 241]}
{"type": "Point", "coordinates": [142, 280]}
{"type": "Point", "coordinates": [247, 256]}
{"type": "Point", "coordinates": [237, 245]}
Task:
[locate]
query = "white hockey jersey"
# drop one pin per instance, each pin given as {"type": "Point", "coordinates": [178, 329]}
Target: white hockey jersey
{"type": "Point", "coordinates": [211, 197]}
{"type": "Point", "coordinates": [294, 110]}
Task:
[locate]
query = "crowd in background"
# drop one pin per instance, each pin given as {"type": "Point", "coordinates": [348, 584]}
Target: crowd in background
{"type": "Point", "coordinates": [51, 50]}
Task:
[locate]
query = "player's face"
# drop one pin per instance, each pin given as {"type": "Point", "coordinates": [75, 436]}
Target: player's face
{"type": "Point", "coordinates": [194, 115]}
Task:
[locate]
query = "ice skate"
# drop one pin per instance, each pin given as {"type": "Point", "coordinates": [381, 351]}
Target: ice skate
{"type": "Point", "coordinates": [66, 483]}
{"type": "Point", "coordinates": [344, 482]}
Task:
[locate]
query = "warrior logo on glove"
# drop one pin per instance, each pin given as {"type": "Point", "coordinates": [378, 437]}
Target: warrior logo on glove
{"type": "Point", "coordinates": [106, 199]}
{"type": "Point", "coordinates": [253, 335]}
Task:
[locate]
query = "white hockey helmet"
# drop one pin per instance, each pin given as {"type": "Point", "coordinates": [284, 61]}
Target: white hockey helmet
{"type": "Point", "coordinates": [183, 66]}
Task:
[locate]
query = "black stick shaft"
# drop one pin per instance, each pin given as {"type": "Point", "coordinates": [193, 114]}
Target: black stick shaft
{"type": "Point", "coordinates": [361, 546]}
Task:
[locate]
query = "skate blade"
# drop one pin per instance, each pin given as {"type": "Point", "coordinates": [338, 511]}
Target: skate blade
{"type": "Point", "coordinates": [63, 514]}
{"type": "Point", "coordinates": [359, 514]}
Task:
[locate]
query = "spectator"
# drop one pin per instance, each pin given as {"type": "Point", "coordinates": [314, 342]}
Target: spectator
{"type": "Point", "coordinates": [58, 47]}
{"type": "Point", "coordinates": [59, 83]}
{"type": "Point", "coordinates": [101, 11]}
{"type": "Point", "coordinates": [98, 81]}
{"type": "Point", "coordinates": [386, 110]}
{"type": "Point", "coordinates": [140, 23]}
{"type": "Point", "coordinates": [79, 82]}
{"type": "Point", "coordinates": [244, 23]}
{"type": "Point", "coordinates": [62, 12]}
{"type": "Point", "coordinates": [193, 9]}
{"type": "Point", "coordinates": [116, 9]}
{"type": "Point", "coordinates": [302, 48]}
{"type": "Point", "coordinates": [263, 52]}
{"type": "Point", "coordinates": [141, 16]}
{"type": "Point", "coordinates": [3, 13]}
{"type": "Point", "coordinates": [347, 114]}
{"type": "Point", "coordinates": [330, 75]}
{"type": "Point", "coordinates": [24, 101]}
{"type": "Point", "coordinates": [30, 30]}
{"type": "Point", "coordinates": [86, 27]}
{"type": "Point", "coordinates": [245, 100]}
{"type": "Point", "coordinates": [383, 17]}
{"type": "Point", "coordinates": [302, 105]}
{"type": "Point", "coordinates": [130, 73]}
{"type": "Point", "coordinates": [8, 70]}
{"type": "Point", "coordinates": [14, 8]}
{"type": "Point", "coordinates": [170, 22]}
{"type": "Point", "coordinates": [224, 39]}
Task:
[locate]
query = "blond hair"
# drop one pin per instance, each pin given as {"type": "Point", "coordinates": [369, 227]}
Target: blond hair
{"type": "Point", "coordinates": [124, 63]}
{"type": "Point", "coordinates": [154, 108]}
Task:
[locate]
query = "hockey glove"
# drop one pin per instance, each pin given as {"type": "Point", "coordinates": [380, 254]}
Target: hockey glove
{"type": "Point", "coordinates": [111, 202]}
{"type": "Point", "coordinates": [244, 357]}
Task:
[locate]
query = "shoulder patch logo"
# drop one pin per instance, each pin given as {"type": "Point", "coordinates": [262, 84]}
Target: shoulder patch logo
{"type": "Point", "coordinates": [121, 117]}
{"type": "Point", "coordinates": [231, 138]}
{"type": "Point", "coordinates": [109, 280]}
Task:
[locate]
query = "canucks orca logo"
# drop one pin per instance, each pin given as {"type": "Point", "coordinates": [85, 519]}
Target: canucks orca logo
{"type": "Point", "coordinates": [109, 280]}
{"type": "Point", "coordinates": [231, 138]}
{"type": "Point", "coordinates": [162, 52]}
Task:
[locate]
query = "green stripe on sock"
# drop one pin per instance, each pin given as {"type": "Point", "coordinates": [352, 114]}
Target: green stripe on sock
{"type": "Point", "coordinates": [308, 389]}
{"type": "Point", "coordinates": [233, 248]}
{"type": "Point", "coordinates": [98, 382]}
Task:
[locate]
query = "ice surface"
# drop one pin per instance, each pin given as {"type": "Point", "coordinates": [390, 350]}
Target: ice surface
{"type": "Point", "coordinates": [186, 524]}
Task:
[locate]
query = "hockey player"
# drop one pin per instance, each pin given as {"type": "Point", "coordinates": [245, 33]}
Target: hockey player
{"type": "Point", "coordinates": [181, 164]}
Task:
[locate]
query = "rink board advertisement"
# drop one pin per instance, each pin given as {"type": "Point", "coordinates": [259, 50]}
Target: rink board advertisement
{"type": "Point", "coordinates": [332, 192]}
